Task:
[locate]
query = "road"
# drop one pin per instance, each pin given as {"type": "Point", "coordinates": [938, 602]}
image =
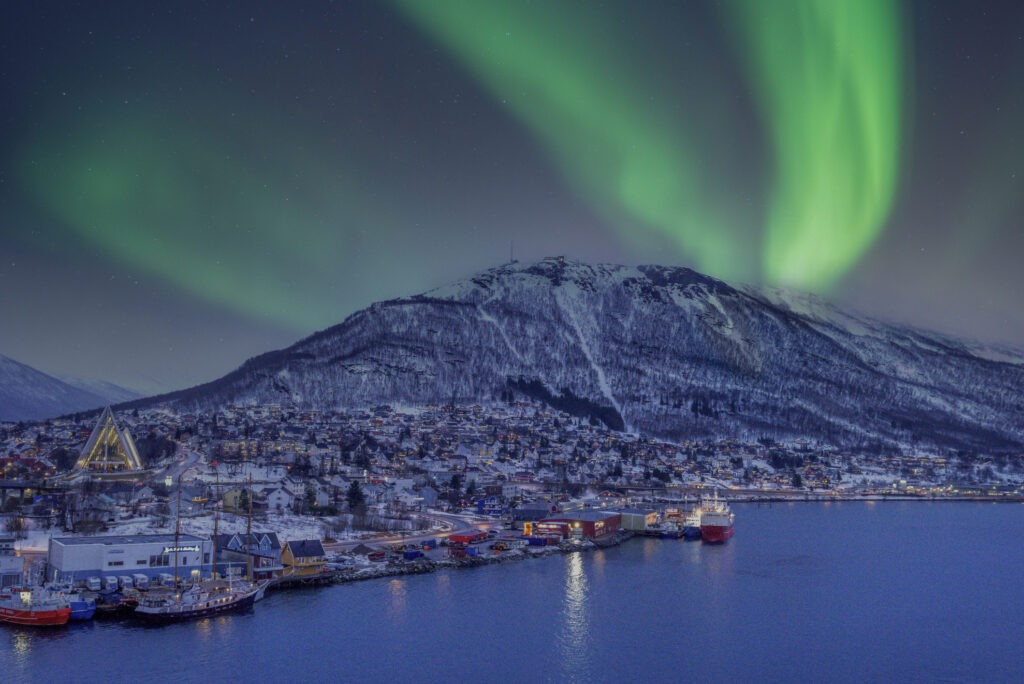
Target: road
{"type": "Point", "coordinates": [450, 524]}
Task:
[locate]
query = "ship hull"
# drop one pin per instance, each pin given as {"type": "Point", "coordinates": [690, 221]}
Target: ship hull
{"type": "Point", "coordinates": [35, 618]}
{"type": "Point", "coordinates": [82, 610]}
{"type": "Point", "coordinates": [242, 604]}
{"type": "Point", "coordinates": [715, 534]}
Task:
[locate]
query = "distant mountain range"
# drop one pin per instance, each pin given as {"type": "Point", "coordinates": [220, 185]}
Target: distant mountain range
{"type": "Point", "coordinates": [659, 350]}
{"type": "Point", "coordinates": [29, 394]}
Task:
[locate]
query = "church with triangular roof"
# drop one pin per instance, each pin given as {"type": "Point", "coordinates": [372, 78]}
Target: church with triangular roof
{"type": "Point", "coordinates": [110, 448]}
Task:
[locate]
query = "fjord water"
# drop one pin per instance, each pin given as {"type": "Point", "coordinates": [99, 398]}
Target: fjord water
{"type": "Point", "coordinates": [893, 591]}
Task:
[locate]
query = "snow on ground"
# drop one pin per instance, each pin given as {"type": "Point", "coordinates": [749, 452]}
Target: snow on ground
{"type": "Point", "coordinates": [287, 526]}
{"type": "Point", "coordinates": [565, 296]}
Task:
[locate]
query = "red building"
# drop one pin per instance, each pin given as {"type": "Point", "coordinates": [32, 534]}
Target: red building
{"type": "Point", "coordinates": [468, 538]}
{"type": "Point", "coordinates": [585, 524]}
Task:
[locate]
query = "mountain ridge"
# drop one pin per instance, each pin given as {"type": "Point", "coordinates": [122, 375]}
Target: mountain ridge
{"type": "Point", "coordinates": [661, 350]}
{"type": "Point", "coordinates": [27, 393]}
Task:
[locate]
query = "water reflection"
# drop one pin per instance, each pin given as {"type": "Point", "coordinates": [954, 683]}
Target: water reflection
{"type": "Point", "coordinates": [22, 644]}
{"type": "Point", "coordinates": [204, 628]}
{"type": "Point", "coordinates": [398, 590]}
{"type": "Point", "coordinates": [575, 637]}
{"type": "Point", "coordinates": [598, 559]}
{"type": "Point", "coordinates": [444, 585]}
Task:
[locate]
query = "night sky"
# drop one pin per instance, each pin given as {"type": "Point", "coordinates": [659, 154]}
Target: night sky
{"type": "Point", "coordinates": [184, 185]}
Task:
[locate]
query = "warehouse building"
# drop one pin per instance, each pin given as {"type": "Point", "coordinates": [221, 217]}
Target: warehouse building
{"type": "Point", "coordinates": [638, 520]}
{"type": "Point", "coordinates": [581, 524]}
{"type": "Point", "coordinates": [12, 567]}
{"type": "Point", "coordinates": [129, 559]}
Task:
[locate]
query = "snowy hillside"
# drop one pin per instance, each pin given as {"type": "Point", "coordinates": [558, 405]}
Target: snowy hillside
{"type": "Point", "coordinates": [659, 350]}
{"type": "Point", "coordinates": [28, 394]}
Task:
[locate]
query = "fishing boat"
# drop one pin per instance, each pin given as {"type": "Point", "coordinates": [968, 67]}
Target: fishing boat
{"type": "Point", "coordinates": [33, 606]}
{"type": "Point", "coordinates": [716, 520]}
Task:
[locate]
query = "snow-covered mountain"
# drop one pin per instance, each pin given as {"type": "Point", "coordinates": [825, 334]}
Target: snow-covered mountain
{"type": "Point", "coordinates": [29, 394]}
{"type": "Point", "coordinates": [660, 350]}
{"type": "Point", "coordinates": [108, 391]}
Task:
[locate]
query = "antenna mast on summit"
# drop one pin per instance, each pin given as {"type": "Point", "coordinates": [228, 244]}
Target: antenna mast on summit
{"type": "Point", "coordinates": [511, 251]}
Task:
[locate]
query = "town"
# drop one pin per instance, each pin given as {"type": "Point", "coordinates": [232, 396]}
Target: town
{"type": "Point", "coordinates": [140, 498]}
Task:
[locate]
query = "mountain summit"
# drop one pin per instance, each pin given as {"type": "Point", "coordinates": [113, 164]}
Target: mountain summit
{"type": "Point", "coordinates": [660, 350]}
{"type": "Point", "coordinates": [30, 394]}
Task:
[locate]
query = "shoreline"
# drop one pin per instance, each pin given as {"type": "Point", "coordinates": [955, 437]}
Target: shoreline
{"type": "Point", "coordinates": [427, 566]}
{"type": "Point", "coordinates": [873, 498]}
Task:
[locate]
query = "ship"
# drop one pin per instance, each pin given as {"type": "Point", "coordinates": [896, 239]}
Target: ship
{"type": "Point", "coordinates": [691, 524]}
{"type": "Point", "coordinates": [82, 603]}
{"type": "Point", "coordinates": [33, 606]}
{"type": "Point", "coordinates": [671, 531]}
{"type": "Point", "coordinates": [116, 604]}
{"type": "Point", "coordinates": [202, 599]}
{"type": "Point", "coordinates": [716, 520]}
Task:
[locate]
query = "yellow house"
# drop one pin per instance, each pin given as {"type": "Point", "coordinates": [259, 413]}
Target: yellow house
{"type": "Point", "coordinates": [232, 499]}
{"type": "Point", "coordinates": [304, 558]}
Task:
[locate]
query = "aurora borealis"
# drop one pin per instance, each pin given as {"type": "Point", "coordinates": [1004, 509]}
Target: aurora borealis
{"type": "Point", "coordinates": [184, 186]}
{"type": "Point", "coordinates": [829, 75]}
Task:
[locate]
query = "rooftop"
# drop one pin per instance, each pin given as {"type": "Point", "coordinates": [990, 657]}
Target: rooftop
{"type": "Point", "coordinates": [116, 539]}
{"type": "Point", "coordinates": [588, 516]}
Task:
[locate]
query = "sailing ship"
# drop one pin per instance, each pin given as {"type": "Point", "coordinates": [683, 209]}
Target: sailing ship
{"type": "Point", "coordinates": [204, 597]}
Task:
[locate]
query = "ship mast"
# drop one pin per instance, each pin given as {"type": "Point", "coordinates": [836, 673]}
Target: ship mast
{"type": "Point", "coordinates": [248, 536]}
{"type": "Point", "coordinates": [177, 531]}
{"type": "Point", "coordinates": [216, 521]}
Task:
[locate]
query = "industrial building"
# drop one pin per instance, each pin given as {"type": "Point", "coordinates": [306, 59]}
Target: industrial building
{"type": "Point", "coordinates": [638, 520]}
{"type": "Point", "coordinates": [12, 567]}
{"type": "Point", "coordinates": [581, 524]}
{"type": "Point", "coordinates": [128, 558]}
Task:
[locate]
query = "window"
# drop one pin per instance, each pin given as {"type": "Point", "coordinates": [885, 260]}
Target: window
{"type": "Point", "coordinates": [206, 558]}
{"type": "Point", "coordinates": [140, 562]}
{"type": "Point", "coordinates": [114, 564]}
{"type": "Point", "coordinates": [159, 561]}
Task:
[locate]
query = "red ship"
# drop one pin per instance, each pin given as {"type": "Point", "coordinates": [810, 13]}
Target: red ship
{"type": "Point", "coordinates": [33, 606]}
{"type": "Point", "coordinates": [716, 520]}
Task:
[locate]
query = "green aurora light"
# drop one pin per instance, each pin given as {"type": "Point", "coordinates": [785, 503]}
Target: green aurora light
{"type": "Point", "coordinates": [552, 68]}
{"type": "Point", "coordinates": [182, 204]}
{"type": "Point", "coordinates": [827, 74]}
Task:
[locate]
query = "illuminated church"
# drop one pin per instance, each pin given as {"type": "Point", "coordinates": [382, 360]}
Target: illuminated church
{"type": "Point", "coordinates": [110, 448]}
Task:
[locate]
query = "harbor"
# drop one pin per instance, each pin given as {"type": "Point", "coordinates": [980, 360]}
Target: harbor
{"type": "Point", "coordinates": [761, 606]}
{"type": "Point", "coordinates": [83, 577]}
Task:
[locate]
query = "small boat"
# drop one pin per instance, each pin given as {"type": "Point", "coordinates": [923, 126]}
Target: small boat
{"type": "Point", "coordinates": [115, 604]}
{"type": "Point", "coordinates": [716, 520]}
{"type": "Point", "coordinates": [33, 606]}
{"type": "Point", "coordinates": [82, 603]}
{"type": "Point", "coordinates": [691, 525]}
{"type": "Point", "coordinates": [203, 599]}
{"type": "Point", "coordinates": [671, 531]}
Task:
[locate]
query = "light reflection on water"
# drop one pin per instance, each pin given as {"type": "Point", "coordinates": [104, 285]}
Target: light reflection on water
{"type": "Point", "coordinates": [575, 633]}
{"type": "Point", "coordinates": [22, 645]}
{"type": "Point", "coordinates": [444, 584]}
{"type": "Point", "coordinates": [398, 590]}
{"type": "Point", "coordinates": [204, 628]}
